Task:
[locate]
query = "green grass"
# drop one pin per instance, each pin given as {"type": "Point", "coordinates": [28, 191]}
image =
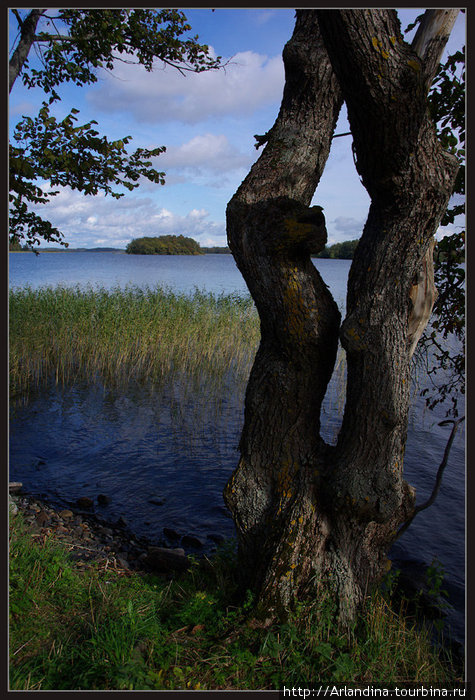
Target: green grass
{"type": "Point", "coordinates": [99, 629]}
{"type": "Point", "coordinates": [128, 334]}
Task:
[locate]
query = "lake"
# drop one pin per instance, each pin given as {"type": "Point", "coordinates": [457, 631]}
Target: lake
{"type": "Point", "coordinates": [146, 443]}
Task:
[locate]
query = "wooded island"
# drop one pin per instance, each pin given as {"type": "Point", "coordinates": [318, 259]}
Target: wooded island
{"type": "Point", "coordinates": [164, 245]}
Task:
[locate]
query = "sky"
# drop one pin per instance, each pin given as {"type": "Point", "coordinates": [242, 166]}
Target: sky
{"type": "Point", "coordinates": [207, 122]}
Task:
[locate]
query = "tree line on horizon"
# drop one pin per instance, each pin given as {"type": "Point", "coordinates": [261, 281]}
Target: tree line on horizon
{"type": "Point", "coordinates": [183, 245]}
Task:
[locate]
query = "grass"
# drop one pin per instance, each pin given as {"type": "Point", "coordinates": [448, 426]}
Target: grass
{"type": "Point", "coordinates": [100, 629]}
{"type": "Point", "coordinates": [184, 346]}
{"type": "Point", "coordinates": [97, 629]}
{"type": "Point", "coordinates": [124, 334]}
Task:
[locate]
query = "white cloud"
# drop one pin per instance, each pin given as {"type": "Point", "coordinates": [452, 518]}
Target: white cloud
{"type": "Point", "coordinates": [248, 82]}
{"type": "Point", "coordinates": [206, 159]}
{"type": "Point", "coordinates": [22, 108]}
{"type": "Point", "coordinates": [264, 16]}
{"type": "Point", "coordinates": [104, 221]}
{"type": "Point", "coordinates": [344, 228]}
{"type": "Point", "coordinates": [206, 152]}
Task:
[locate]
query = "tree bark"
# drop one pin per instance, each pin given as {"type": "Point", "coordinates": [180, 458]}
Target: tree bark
{"type": "Point", "coordinates": [304, 510]}
{"type": "Point", "coordinates": [271, 232]}
{"type": "Point", "coordinates": [409, 178]}
{"type": "Point", "coordinates": [27, 37]}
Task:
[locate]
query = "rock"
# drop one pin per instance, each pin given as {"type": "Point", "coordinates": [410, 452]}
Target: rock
{"type": "Point", "coordinates": [122, 522]}
{"type": "Point", "coordinates": [12, 506]}
{"type": "Point", "coordinates": [85, 503]}
{"type": "Point", "coordinates": [42, 518]}
{"type": "Point", "coordinates": [106, 531]}
{"type": "Point", "coordinates": [65, 514]}
{"type": "Point", "coordinates": [103, 500]}
{"type": "Point", "coordinates": [171, 534]}
{"type": "Point", "coordinates": [191, 541]}
{"type": "Point", "coordinates": [219, 539]}
{"type": "Point", "coordinates": [122, 562]}
{"type": "Point", "coordinates": [14, 486]}
{"type": "Point", "coordinates": [156, 501]}
{"type": "Point", "coordinates": [163, 560]}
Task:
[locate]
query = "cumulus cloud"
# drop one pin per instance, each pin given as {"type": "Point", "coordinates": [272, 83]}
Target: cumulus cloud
{"type": "Point", "coordinates": [248, 82]}
{"type": "Point", "coordinates": [264, 16]}
{"type": "Point", "coordinates": [344, 228]}
{"type": "Point", "coordinates": [103, 221]}
{"type": "Point", "coordinates": [205, 152]}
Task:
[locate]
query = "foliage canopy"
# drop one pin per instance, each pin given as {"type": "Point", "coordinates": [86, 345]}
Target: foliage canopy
{"type": "Point", "coordinates": [164, 245]}
{"type": "Point", "coordinates": [447, 108]}
{"type": "Point", "coordinates": [74, 44]}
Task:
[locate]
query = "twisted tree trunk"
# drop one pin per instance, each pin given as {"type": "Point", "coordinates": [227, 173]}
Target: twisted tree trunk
{"type": "Point", "coordinates": [303, 510]}
{"type": "Point", "coordinates": [272, 232]}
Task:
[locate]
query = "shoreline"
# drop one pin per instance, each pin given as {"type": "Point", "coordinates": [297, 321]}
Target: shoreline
{"type": "Point", "coordinates": [93, 542]}
{"type": "Point", "coordinates": [92, 539]}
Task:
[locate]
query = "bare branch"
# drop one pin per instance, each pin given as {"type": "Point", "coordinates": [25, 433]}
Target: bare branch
{"type": "Point", "coordinates": [438, 479]}
{"type": "Point", "coordinates": [431, 38]}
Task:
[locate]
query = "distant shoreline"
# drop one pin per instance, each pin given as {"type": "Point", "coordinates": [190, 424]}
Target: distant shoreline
{"type": "Point", "coordinates": [71, 250]}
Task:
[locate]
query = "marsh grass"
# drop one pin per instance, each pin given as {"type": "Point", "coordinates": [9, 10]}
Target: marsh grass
{"type": "Point", "coordinates": [102, 629]}
{"type": "Point", "coordinates": [128, 334]}
{"type": "Point", "coordinates": [195, 351]}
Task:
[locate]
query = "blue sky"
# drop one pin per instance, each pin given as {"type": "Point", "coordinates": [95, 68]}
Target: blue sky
{"type": "Point", "coordinates": [207, 122]}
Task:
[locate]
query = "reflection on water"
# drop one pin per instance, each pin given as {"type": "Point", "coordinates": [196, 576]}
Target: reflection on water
{"type": "Point", "coordinates": [144, 442]}
{"type": "Point", "coordinates": [163, 456]}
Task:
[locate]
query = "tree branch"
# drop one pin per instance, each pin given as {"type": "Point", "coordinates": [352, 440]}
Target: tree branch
{"type": "Point", "coordinates": [431, 38]}
{"type": "Point", "coordinates": [438, 479]}
{"type": "Point", "coordinates": [27, 38]}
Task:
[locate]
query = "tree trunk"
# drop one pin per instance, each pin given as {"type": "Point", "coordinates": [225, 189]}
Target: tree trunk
{"type": "Point", "coordinates": [27, 37]}
{"type": "Point", "coordinates": [271, 232]}
{"type": "Point", "coordinates": [304, 510]}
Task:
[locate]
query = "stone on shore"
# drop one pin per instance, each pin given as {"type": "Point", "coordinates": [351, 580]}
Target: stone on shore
{"type": "Point", "coordinates": [65, 514]}
{"type": "Point", "coordinates": [103, 500]}
{"type": "Point", "coordinates": [171, 534]}
{"type": "Point", "coordinates": [84, 502]}
{"type": "Point", "coordinates": [165, 560]}
{"type": "Point", "coordinates": [12, 506]}
{"type": "Point", "coordinates": [191, 541]}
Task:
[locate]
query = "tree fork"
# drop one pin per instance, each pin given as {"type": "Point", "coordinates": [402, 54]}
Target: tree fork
{"type": "Point", "coordinates": [303, 510]}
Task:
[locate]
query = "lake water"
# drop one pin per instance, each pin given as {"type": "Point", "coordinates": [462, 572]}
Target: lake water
{"type": "Point", "coordinates": [147, 444]}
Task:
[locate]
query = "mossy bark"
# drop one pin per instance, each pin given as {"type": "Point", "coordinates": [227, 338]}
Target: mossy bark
{"type": "Point", "coordinates": [304, 510]}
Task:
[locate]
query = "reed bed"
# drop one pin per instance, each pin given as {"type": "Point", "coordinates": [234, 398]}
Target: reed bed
{"type": "Point", "coordinates": [124, 334]}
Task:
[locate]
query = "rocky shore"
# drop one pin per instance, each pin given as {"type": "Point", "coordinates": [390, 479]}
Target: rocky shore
{"type": "Point", "coordinates": [89, 538]}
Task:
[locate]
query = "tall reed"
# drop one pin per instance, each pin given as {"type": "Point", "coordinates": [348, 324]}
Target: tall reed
{"type": "Point", "coordinates": [131, 333]}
